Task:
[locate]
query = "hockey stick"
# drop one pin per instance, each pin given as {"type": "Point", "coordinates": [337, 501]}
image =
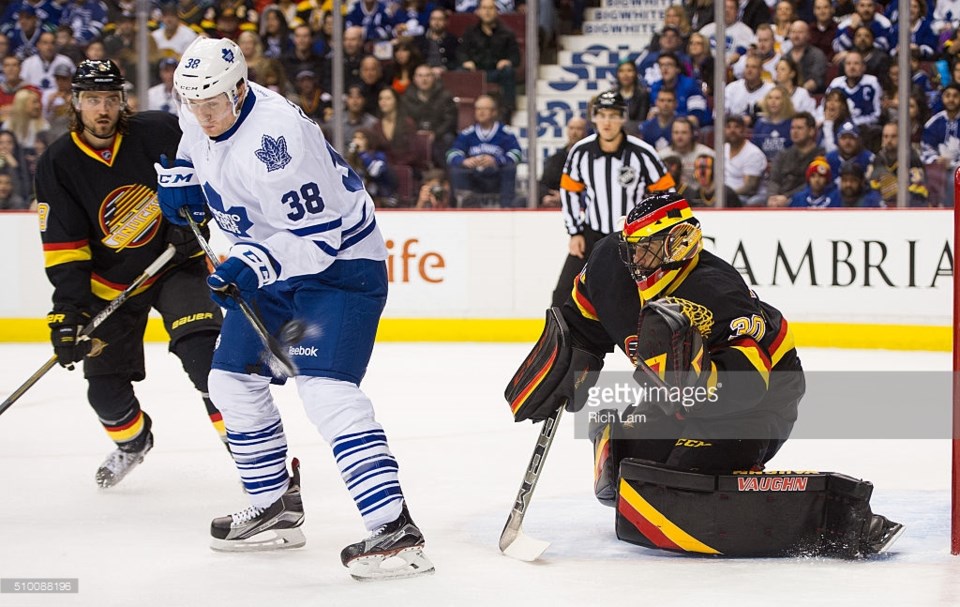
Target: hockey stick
{"type": "Point", "coordinates": [279, 362]}
{"type": "Point", "coordinates": [95, 322]}
{"type": "Point", "coordinates": [513, 541]}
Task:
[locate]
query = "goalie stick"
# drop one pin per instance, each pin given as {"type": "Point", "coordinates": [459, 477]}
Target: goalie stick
{"type": "Point", "coordinates": [95, 322]}
{"type": "Point", "coordinates": [513, 541]}
{"type": "Point", "coordinates": [279, 362]}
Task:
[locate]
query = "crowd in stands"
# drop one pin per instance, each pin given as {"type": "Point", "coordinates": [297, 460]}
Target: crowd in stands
{"type": "Point", "coordinates": [404, 130]}
{"type": "Point", "coordinates": [811, 93]}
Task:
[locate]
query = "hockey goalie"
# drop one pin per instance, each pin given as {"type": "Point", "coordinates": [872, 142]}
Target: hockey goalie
{"type": "Point", "coordinates": [720, 383]}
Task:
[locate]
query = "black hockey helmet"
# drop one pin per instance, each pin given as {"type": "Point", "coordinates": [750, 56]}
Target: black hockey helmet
{"type": "Point", "coordinates": [610, 100]}
{"type": "Point", "coordinates": [659, 235]}
{"type": "Point", "coordinates": [98, 75]}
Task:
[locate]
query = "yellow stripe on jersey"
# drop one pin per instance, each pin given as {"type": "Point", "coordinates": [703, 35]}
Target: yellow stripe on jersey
{"type": "Point", "coordinates": [752, 354]}
{"type": "Point", "coordinates": [92, 153]}
{"type": "Point", "coordinates": [55, 257]}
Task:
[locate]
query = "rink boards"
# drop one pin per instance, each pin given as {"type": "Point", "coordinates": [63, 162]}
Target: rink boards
{"type": "Point", "coordinates": [844, 278]}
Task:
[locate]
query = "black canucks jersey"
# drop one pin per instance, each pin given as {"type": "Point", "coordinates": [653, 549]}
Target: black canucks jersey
{"type": "Point", "coordinates": [100, 222]}
{"type": "Point", "coordinates": [742, 333]}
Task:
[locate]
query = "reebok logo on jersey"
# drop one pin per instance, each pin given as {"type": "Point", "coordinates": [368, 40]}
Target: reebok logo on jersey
{"type": "Point", "coordinates": [303, 351]}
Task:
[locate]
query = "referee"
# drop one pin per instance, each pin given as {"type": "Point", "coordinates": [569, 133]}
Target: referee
{"type": "Point", "coordinates": [605, 175]}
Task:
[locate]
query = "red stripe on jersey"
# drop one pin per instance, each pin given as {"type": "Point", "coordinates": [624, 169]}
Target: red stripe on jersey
{"type": "Point", "coordinates": [65, 246]}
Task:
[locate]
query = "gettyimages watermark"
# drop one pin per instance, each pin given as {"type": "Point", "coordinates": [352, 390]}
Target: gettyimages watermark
{"type": "Point", "coordinates": [841, 405]}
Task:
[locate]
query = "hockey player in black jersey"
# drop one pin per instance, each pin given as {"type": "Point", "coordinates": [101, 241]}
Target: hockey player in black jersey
{"type": "Point", "coordinates": [101, 226]}
{"type": "Point", "coordinates": [720, 384]}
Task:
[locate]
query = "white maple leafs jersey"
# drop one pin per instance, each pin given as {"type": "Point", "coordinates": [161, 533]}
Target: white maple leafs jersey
{"type": "Point", "coordinates": [273, 181]}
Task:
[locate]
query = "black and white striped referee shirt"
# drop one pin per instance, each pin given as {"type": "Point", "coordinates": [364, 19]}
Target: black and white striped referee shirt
{"type": "Point", "coordinates": [598, 188]}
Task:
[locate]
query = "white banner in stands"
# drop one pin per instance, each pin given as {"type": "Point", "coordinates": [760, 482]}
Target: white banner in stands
{"type": "Point", "coordinates": [881, 267]}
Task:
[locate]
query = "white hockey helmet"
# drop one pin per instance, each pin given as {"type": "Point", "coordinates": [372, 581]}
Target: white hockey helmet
{"type": "Point", "coordinates": [208, 68]}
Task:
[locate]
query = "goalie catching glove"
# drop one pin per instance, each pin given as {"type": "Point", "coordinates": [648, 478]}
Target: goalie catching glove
{"type": "Point", "coordinates": [670, 355]}
{"type": "Point", "coordinates": [554, 374]}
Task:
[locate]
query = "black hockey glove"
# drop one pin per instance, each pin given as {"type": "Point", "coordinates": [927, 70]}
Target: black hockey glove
{"type": "Point", "coordinates": [584, 367]}
{"type": "Point", "coordinates": [65, 331]}
{"type": "Point", "coordinates": [185, 243]}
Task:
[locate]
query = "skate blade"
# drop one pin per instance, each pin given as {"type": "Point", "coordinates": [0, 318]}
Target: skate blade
{"type": "Point", "coordinates": [893, 538]}
{"type": "Point", "coordinates": [274, 539]}
{"type": "Point", "coordinates": [406, 563]}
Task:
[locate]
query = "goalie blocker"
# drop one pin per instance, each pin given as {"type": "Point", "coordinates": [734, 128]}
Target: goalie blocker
{"type": "Point", "coordinates": [749, 514]}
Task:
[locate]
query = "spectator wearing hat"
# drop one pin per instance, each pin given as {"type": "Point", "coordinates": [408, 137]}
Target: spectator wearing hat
{"type": "Point", "coordinates": [820, 191]}
{"type": "Point", "coordinates": [87, 18]}
{"type": "Point", "coordinates": [703, 192]}
{"type": "Point", "coordinates": [854, 190]}
{"type": "Point", "coordinates": [316, 103]}
{"type": "Point", "coordinates": [790, 168]}
{"type": "Point", "coordinates": [161, 97]}
{"type": "Point", "coordinates": [744, 163]}
{"type": "Point", "coordinates": [671, 41]}
{"type": "Point", "coordinates": [57, 102]}
{"type": "Point", "coordinates": [849, 149]}
{"type": "Point", "coordinates": [173, 36]}
{"type": "Point", "coordinates": [38, 69]}
{"type": "Point", "coordinates": [23, 36]}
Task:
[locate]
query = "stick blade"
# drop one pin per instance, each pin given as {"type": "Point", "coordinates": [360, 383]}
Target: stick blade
{"type": "Point", "coordinates": [518, 545]}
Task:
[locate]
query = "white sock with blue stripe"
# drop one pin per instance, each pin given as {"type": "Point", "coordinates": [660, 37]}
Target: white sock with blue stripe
{"type": "Point", "coordinates": [370, 473]}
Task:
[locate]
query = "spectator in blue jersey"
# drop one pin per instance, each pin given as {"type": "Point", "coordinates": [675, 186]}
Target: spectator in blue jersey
{"type": "Point", "coordinates": [940, 142]}
{"type": "Point", "coordinates": [23, 37]}
{"type": "Point", "coordinates": [866, 14]}
{"type": "Point", "coordinates": [862, 90]}
{"type": "Point", "coordinates": [690, 100]}
{"type": "Point", "coordinates": [671, 41]}
{"type": "Point", "coordinates": [657, 130]}
{"type": "Point", "coordinates": [371, 15]}
{"type": "Point", "coordinates": [87, 18]}
{"type": "Point", "coordinates": [849, 149]}
{"type": "Point", "coordinates": [484, 157]}
{"type": "Point", "coordinates": [855, 192]}
{"type": "Point", "coordinates": [922, 37]}
{"type": "Point", "coordinates": [370, 162]}
{"type": "Point", "coordinates": [490, 47]}
{"type": "Point", "coordinates": [771, 133]}
{"type": "Point", "coordinates": [821, 192]}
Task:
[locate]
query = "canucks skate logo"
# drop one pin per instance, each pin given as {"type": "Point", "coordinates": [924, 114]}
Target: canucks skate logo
{"type": "Point", "coordinates": [273, 153]}
{"type": "Point", "coordinates": [228, 56]}
{"type": "Point", "coordinates": [233, 220]}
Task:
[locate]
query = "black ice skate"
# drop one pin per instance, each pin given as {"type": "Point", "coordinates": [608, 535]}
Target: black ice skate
{"type": "Point", "coordinates": [119, 463]}
{"type": "Point", "coordinates": [259, 529]}
{"type": "Point", "coordinates": [882, 534]}
{"type": "Point", "coordinates": [393, 551]}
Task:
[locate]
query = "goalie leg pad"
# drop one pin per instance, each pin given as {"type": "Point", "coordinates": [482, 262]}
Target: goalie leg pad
{"type": "Point", "coordinates": [531, 391]}
{"type": "Point", "coordinates": [749, 514]}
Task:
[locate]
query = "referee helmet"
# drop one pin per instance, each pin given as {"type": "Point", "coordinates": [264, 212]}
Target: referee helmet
{"type": "Point", "coordinates": [610, 100]}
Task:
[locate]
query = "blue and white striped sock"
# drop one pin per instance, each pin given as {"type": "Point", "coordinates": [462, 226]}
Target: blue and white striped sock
{"type": "Point", "coordinates": [261, 458]}
{"type": "Point", "coordinates": [370, 473]}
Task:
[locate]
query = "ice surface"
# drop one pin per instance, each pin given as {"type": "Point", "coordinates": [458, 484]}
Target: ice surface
{"type": "Point", "coordinates": [461, 458]}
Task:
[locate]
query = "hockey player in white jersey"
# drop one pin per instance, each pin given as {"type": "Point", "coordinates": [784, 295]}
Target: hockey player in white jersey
{"type": "Point", "coordinates": [305, 246]}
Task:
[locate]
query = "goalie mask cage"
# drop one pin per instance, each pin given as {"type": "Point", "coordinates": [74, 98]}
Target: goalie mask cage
{"type": "Point", "coordinates": [955, 437]}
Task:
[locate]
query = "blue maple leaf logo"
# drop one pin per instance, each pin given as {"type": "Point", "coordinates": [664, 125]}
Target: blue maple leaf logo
{"type": "Point", "coordinates": [233, 219]}
{"type": "Point", "coordinates": [273, 153]}
{"type": "Point", "coordinates": [228, 55]}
